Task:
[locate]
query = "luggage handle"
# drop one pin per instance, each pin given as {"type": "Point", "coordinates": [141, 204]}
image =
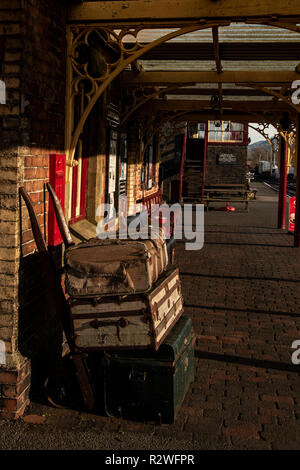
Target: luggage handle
{"type": "Point", "coordinates": [138, 376]}
{"type": "Point", "coordinates": [121, 323]}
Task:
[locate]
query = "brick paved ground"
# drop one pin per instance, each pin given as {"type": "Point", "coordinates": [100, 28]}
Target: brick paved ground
{"type": "Point", "coordinates": [242, 291]}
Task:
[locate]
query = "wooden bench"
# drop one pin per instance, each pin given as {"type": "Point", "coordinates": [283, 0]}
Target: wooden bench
{"type": "Point", "coordinates": [228, 193]}
{"type": "Point", "coordinates": [156, 199]}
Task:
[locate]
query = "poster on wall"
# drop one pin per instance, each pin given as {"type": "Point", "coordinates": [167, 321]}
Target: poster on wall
{"type": "Point", "coordinates": [292, 212]}
{"type": "Point", "coordinates": [150, 167]}
{"type": "Point", "coordinates": [123, 164]}
{"type": "Point", "coordinates": [112, 170]}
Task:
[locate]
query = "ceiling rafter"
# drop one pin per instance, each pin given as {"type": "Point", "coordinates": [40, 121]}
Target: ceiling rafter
{"type": "Point", "coordinates": [188, 104]}
{"type": "Point", "coordinates": [209, 91]}
{"type": "Point", "coordinates": [279, 96]}
{"type": "Point", "coordinates": [229, 50]}
{"type": "Point", "coordinates": [125, 20]}
{"type": "Point", "coordinates": [154, 12]}
{"type": "Point", "coordinates": [140, 97]}
{"type": "Point", "coordinates": [238, 77]}
{"type": "Point", "coordinates": [205, 115]}
{"type": "Point", "coordinates": [215, 34]}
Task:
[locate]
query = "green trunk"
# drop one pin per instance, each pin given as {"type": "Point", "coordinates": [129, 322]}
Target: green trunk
{"type": "Point", "coordinates": [150, 385]}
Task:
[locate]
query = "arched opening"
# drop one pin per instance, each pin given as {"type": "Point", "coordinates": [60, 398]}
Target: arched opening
{"type": "Point", "coordinates": [135, 53]}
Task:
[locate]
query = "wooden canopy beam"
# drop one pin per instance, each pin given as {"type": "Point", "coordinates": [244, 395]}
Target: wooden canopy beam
{"type": "Point", "coordinates": [216, 44]}
{"type": "Point", "coordinates": [180, 105]}
{"type": "Point", "coordinates": [214, 91]}
{"type": "Point", "coordinates": [215, 116]}
{"type": "Point", "coordinates": [280, 97]}
{"type": "Point", "coordinates": [163, 78]}
{"type": "Point", "coordinates": [233, 51]}
{"type": "Point", "coordinates": [173, 11]}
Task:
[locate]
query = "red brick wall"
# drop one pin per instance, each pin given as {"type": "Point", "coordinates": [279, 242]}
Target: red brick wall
{"type": "Point", "coordinates": [11, 135]}
{"type": "Point", "coordinates": [14, 391]}
{"type": "Point", "coordinates": [32, 49]}
{"type": "Point", "coordinates": [43, 88]}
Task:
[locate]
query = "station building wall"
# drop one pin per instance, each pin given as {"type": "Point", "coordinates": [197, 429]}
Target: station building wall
{"type": "Point", "coordinates": [32, 50]}
{"type": "Point", "coordinates": [226, 173]}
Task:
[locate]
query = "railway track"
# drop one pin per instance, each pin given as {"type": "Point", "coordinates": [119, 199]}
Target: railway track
{"type": "Point", "coordinates": [291, 186]}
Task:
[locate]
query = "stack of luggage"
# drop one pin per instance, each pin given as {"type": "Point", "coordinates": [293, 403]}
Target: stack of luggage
{"type": "Point", "coordinates": [125, 300]}
{"type": "Point", "coordinates": [122, 294]}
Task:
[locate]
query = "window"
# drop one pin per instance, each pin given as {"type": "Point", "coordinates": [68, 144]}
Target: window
{"type": "Point", "coordinates": [225, 131]}
{"type": "Point", "coordinates": [196, 130]}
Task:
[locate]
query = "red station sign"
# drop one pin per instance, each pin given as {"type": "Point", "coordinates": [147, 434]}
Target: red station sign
{"type": "Point", "coordinates": [292, 212]}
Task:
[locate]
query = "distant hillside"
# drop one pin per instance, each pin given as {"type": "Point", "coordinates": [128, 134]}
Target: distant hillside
{"type": "Point", "coordinates": [261, 144]}
{"type": "Point", "coordinates": [259, 151]}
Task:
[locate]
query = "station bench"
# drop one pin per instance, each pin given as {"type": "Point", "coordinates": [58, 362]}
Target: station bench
{"type": "Point", "coordinates": [228, 193]}
{"type": "Point", "coordinates": [157, 199]}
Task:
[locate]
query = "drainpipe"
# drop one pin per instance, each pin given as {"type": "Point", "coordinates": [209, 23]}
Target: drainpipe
{"type": "Point", "coordinates": [283, 183]}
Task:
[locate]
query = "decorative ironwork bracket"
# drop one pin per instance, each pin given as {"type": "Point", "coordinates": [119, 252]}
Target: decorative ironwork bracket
{"type": "Point", "coordinates": [96, 56]}
{"type": "Point", "coordinates": [137, 97]}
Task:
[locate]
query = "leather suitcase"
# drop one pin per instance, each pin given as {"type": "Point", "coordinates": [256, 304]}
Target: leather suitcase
{"type": "Point", "coordinates": [147, 385]}
{"type": "Point", "coordinates": [114, 267]}
{"type": "Point", "coordinates": [136, 321]}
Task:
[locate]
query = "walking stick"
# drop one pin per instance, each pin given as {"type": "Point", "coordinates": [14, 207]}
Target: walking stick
{"type": "Point", "coordinates": [59, 302]}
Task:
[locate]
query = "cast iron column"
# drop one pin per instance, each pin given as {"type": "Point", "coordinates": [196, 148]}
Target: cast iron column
{"type": "Point", "coordinates": [283, 183]}
{"type": "Point", "coordinates": [297, 214]}
{"type": "Point", "coordinates": [204, 162]}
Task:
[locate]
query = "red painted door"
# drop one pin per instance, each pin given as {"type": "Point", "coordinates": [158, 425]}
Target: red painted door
{"type": "Point", "coordinates": [79, 188]}
{"type": "Point", "coordinates": [57, 181]}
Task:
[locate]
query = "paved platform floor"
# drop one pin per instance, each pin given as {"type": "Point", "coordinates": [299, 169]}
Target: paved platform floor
{"type": "Point", "coordinates": [242, 292]}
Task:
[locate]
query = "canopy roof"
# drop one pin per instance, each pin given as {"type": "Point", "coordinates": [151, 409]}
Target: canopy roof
{"type": "Point", "coordinates": [241, 62]}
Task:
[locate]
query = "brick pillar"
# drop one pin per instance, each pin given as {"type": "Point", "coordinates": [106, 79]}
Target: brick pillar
{"type": "Point", "coordinates": [14, 396]}
{"type": "Point", "coordinates": [32, 65]}
{"type": "Point", "coordinates": [14, 369]}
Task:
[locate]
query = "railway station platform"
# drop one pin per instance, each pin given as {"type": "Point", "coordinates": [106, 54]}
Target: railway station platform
{"type": "Point", "coordinates": [242, 292]}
